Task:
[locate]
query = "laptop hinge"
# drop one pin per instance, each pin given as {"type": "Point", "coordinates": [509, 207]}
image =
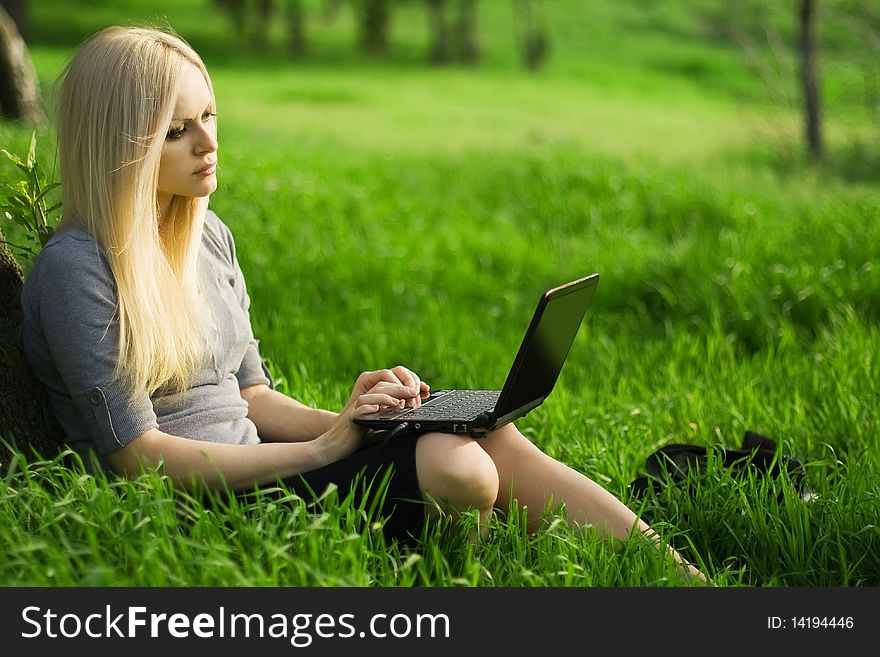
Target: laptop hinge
{"type": "Point", "coordinates": [518, 412]}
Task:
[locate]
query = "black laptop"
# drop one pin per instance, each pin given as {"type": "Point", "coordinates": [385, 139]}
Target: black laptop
{"type": "Point", "coordinates": [532, 376]}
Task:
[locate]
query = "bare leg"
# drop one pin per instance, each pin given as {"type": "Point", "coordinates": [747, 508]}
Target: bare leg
{"type": "Point", "coordinates": [458, 475]}
{"type": "Point", "coordinates": [535, 480]}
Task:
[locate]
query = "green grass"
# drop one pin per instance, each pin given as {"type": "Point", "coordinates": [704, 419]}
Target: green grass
{"type": "Point", "coordinates": [738, 292]}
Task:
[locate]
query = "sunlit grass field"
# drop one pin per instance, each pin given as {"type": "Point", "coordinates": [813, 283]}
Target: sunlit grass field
{"type": "Point", "coordinates": [393, 213]}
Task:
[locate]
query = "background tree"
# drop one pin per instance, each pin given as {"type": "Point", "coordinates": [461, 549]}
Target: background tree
{"type": "Point", "coordinates": [784, 45]}
{"type": "Point", "coordinates": [453, 38]}
{"type": "Point", "coordinates": [19, 90]}
{"type": "Point", "coordinates": [237, 12]}
{"type": "Point", "coordinates": [810, 77]}
{"type": "Point", "coordinates": [466, 43]}
{"type": "Point", "coordinates": [251, 19]}
{"type": "Point", "coordinates": [453, 26]}
{"type": "Point", "coordinates": [439, 51]}
{"type": "Point", "coordinates": [374, 23]}
{"type": "Point", "coordinates": [25, 414]}
{"type": "Point", "coordinates": [26, 418]}
{"type": "Point", "coordinates": [264, 11]}
{"type": "Point", "coordinates": [530, 34]}
{"type": "Point", "coordinates": [296, 27]}
{"type": "Point", "coordinates": [18, 12]}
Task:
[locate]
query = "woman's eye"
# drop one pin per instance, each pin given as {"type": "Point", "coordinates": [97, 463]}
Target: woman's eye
{"type": "Point", "coordinates": [176, 133]}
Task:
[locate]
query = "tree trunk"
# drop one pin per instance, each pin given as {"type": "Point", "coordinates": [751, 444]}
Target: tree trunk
{"type": "Point", "coordinates": [19, 91]}
{"type": "Point", "coordinates": [296, 27]}
{"type": "Point", "coordinates": [532, 38]}
{"type": "Point", "coordinates": [26, 418]}
{"type": "Point", "coordinates": [18, 12]}
{"type": "Point", "coordinates": [439, 53]}
{"type": "Point", "coordinates": [375, 17]}
{"type": "Point", "coordinates": [262, 23]}
{"type": "Point", "coordinates": [810, 78]}
{"type": "Point", "coordinates": [466, 32]}
{"type": "Point", "coordinates": [237, 12]}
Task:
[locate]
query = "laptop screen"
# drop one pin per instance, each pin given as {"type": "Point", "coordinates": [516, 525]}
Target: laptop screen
{"type": "Point", "coordinates": [546, 345]}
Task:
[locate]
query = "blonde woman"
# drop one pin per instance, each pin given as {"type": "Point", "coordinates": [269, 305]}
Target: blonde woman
{"type": "Point", "coordinates": [137, 321]}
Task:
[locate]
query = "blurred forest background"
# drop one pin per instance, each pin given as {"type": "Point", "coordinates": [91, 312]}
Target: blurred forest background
{"type": "Point", "coordinates": [813, 64]}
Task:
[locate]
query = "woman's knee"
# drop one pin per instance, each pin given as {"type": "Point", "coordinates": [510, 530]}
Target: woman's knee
{"type": "Point", "coordinates": [455, 470]}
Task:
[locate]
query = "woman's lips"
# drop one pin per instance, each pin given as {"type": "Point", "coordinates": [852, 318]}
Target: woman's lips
{"type": "Point", "coordinates": [207, 170]}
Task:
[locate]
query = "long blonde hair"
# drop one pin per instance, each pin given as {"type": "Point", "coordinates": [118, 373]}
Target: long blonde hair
{"type": "Point", "coordinates": [117, 99]}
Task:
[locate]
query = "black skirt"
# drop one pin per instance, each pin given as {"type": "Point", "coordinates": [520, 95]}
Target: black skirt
{"type": "Point", "coordinates": [380, 468]}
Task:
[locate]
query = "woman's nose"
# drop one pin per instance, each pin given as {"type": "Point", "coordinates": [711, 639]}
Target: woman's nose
{"type": "Point", "coordinates": [207, 138]}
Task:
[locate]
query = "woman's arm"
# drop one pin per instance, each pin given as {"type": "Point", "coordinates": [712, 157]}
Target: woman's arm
{"type": "Point", "coordinates": [214, 465]}
{"type": "Point", "coordinates": [217, 465]}
{"type": "Point", "coordinates": [280, 418]}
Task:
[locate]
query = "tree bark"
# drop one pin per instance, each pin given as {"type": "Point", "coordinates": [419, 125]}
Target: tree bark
{"type": "Point", "coordinates": [18, 12]}
{"type": "Point", "coordinates": [810, 78]}
{"type": "Point", "coordinates": [19, 91]}
{"type": "Point", "coordinates": [26, 418]}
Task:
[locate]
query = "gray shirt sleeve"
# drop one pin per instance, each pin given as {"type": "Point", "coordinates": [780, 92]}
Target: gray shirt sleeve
{"type": "Point", "coordinates": [72, 299]}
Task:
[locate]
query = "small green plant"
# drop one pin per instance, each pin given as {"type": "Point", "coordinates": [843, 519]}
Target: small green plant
{"type": "Point", "coordinates": [24, 202]}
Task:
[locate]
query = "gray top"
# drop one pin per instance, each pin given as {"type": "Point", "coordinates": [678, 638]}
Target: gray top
{"type": "Point", "coordinates": [71, 335]}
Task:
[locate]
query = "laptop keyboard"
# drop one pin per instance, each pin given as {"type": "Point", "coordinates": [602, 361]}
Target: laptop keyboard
{"type": "Point", "coordinates": [454, 405]}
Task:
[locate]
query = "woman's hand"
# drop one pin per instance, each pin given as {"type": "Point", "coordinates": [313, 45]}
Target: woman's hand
{"type": "Point", "coordinates": [397, 388]}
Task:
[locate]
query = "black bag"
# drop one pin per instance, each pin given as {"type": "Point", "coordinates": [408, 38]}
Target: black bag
{"type": "Point", "coordinates": [675, 463]}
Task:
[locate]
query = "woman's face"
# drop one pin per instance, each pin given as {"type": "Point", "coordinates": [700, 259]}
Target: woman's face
{"type": "Point", "coordinates": [189, 157]}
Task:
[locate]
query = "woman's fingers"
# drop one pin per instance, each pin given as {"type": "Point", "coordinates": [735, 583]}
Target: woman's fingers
{"type": "Point", "coordinates": [390, 395]}
{"type": "Point", "coordinates": [399, 382]}
{"type": "Point", "coordinates": [369, 379]}
{"type": "Point", "coordinates": [407, 377]}
{"type": "Point", "coordinates": [396, 390]}
{"type": "Point", "coordinates": [417, 386]}
{"type": "Point", "coordinates": [378, 399]}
